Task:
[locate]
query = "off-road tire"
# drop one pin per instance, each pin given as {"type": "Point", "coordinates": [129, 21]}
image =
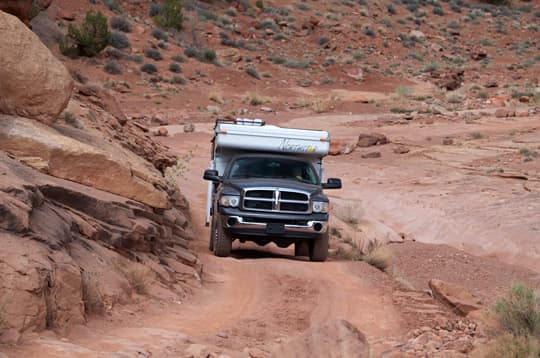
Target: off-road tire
{"type": "Point", "coordinates": [212, 233]}
{"type": "Point", "coordinates": [222, 240]}
{"type": "Point", "coordinates": [301, 248]}
{"type": "Point", "coordinates": [318, 248]}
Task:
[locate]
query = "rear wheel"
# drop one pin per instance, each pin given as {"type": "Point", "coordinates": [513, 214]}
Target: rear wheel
{"type": "Point", "coordinates": [222, 243]}
{"type": "Point", "coordinates": [301, 248]}
{"type": "Point", "coordinates": [318, 248]}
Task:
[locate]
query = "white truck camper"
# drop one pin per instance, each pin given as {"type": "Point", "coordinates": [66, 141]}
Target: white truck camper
{"type": "Point", "coordinates": [265, 185]}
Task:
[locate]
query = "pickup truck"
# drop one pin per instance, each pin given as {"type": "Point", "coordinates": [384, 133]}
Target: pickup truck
{"type": "Point", "coordinates": [266, 185]}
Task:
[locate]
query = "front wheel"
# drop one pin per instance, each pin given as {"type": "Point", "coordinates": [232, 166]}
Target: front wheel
{"type": "Point", "coordinates": [301, 248]}
{"type": "Point", "coordinates": [318, 248]}
{"type": "Point", "coordinates": [222, 241]}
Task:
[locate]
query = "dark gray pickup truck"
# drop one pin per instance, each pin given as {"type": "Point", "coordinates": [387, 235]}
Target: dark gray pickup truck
{"type": "Point", "coordinates": [265, 197]}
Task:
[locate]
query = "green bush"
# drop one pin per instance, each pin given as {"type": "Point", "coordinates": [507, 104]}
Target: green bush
{"type": "Point", "coordinates": [170, 14]}
{"type": "Point", "coordinates": [89, 39]}
{"type": "Point", "coordinates": [519, 312]}
{"type": "Point", "coordinates": [149, 68]}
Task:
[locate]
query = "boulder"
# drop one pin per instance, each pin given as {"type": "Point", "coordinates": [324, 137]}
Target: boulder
{"type": "Point", "coordinates": [334, 339]}
{"type": "Point", "coordinates": [24, 9]}
{"type": "Point", "coordinates": [35, 84]}
{"type": "Point", "coordinates": [505, 112]}
{"type": "Point", "coordinates": [339, 146]}
{"type": "Point", "coordinates": [83, 157]}
{"type": "Point", "coordinates": [367, 140]}
{"type": "Point", "coordinates": [455, 296]}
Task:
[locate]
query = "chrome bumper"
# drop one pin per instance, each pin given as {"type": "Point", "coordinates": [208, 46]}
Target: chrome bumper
{"type": "Point", "coordinates": [312, 227]}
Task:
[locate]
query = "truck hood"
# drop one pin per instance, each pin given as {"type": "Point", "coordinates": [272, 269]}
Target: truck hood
{"type": "Point", "coordinates": [240, 184]}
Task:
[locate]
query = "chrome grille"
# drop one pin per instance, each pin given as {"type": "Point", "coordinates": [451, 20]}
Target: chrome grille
{"type": "Point", "coordinates": [276, 200]}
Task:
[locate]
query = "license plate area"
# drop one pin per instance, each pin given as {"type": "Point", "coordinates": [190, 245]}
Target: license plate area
{"type": "Point", "coordinates": [275, 228]}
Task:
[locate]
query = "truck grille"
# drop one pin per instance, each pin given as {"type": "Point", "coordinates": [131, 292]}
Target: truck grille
{"type": "Point", "coordinates": [276, 200]}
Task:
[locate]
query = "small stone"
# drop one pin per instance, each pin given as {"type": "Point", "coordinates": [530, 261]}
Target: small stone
{"type": "Point", "coordinates": [223, 335]}
{"type": "Point", "coordinates": [371, 155]}
{"type": "Point", "coordinates": [162, 132]}
{"type": "Point", "coordinates": [189, 128]}
{"type": "Point", "coordinates": [213, 109]}
{"type": "Point", "coordinates": [504, 112]}
{"type": "Point", "coordinates": [447, 141]}
{"type": "Point", "coordinates": [401, 150]}
{"type": "Point", "coordinates": [266, 109]}
{"type": "Point", "coordinates": [524, 99]}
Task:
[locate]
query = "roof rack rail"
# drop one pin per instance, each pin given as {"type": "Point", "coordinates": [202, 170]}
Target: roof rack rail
{"type": "Point", "coordinates": [242, 121]}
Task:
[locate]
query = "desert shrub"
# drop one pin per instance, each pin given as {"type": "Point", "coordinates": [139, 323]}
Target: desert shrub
{"type": "Point", "coordinates": [154, 9]}
{"type": "Point", "coordinates": [112, 5]}
{"type": "Point", "coordinates": [120, 23]}
{"type": "Point", "coordinates": [178, 58]}
{"type": "Point", "coordinates": [276, 60]}
{"type": "Point", "coordinates": [518, 313]}
{"type": "Point", "coordinates": [303, 6]}
{"type": "Point", "coordinates": [298, 64]}
{"type": "Point", "coordinates": [438, 11]}
{"type": "Point", "coordinates": [113, 68]}
{"type": "Point", "coordinates": [323, 40]}
{"type": "Point", "coordinates": [204, 54]}
{"type": "Point", "coordinates": [404, 91]}
{"type": "Point", "coordinates": [89, 39]}
{"type": "Point", "coordinates": [159, 34]}
{"type": "Point", "coordinates": [368, 31]}
{"type": "Point", "coordinates": [170, 15]}
{"type": "Point", "coordinates": [431, 67]}
{"type": "Point", "coordinates": [153, 54]}
{"type": "Point", "coordinates": [175, 68]}
{"type": "Point", "coordinates": [119, 40]}
{"type": "Point", "coordinates": [268, 24]}
{"type": "Point", "coordinates": [137, 58]}
{"type": "Point", "coordinates": [178, 80]}
{"type": "Point", "coordinates": [149, 68]}
{"type": "Point", "coordinates": [114, 53]}
{"type": "Point", "coordinates": [253, 99]}
{"type": "Point", "coordinates": [252, 71]}
{"type": "Point", "coordinates": [259, 4]}
{"type": "Point", "coordinates": [162, 45]}
{"type": "Point", "coordinates": [391, 9]}
{"type": "Point", "coordinates": [231, 12]}
{"type": "Point", "coordinates": [499, 2]}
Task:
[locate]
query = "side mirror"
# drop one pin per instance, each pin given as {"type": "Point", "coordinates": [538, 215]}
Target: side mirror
{"type": "Point", "coordinates": [333, 183]}
{"type": "Point", "coordinates": [211, 174]}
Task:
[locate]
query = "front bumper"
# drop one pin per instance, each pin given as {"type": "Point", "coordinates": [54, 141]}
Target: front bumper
{"type": "Point", "coordinates": [244, 223]}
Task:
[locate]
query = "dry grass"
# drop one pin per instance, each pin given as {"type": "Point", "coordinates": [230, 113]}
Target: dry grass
{"type": "Point", "coordinates": [515, 319]}
{"type": "Point", "coordinates": [92, 297]}
{"type": "Point", "coordinates": [140, 278]}
{"type": "Point", "coordinates": [508, 345]}
{"type": "Point", "coordinates": [254, 99]}
{"type": "Point", "coordinates": [379, 256]}
{"type": "Point", "coordinates": [323, 105]}
{"type": "Point", "coordinates": [348, 211]}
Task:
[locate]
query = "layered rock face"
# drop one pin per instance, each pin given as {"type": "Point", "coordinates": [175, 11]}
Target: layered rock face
{"type": "Point", "coordinates": [33, 83]}
{"type": "Point", "coordinates": [87, 219]}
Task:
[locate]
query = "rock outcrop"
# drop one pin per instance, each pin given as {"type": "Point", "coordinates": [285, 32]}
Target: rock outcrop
{"type": "Point", "coordinates": [84, 157]}
{"type": "Point", "coordinates": [34, 83]}
{"type": "Point", "coordinates": [69, 250]}
{"type": "Point", "coordinates": [335, 339]}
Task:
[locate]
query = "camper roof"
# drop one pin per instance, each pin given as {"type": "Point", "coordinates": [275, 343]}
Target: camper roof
{"type": "Point", "coordinates": [255, 135]}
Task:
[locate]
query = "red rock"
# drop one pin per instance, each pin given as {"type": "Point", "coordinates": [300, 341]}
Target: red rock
{"type": "Point", "coordinates": [524, 99]}
{"type": "Point", "coordinates": [371, 155]}
{"type": "Point", "coordinates": [447, 141]}
{"type": "Point", "coordinates": [454, 295]}
{"type": "Point", "coordinates": [368, 140]}
{"type": "Point", "coordinates": [505, 112]}
{"type": "Point", "coordinates": [338, 146]}
{"type": "Point", "coordinates": [401, 150]}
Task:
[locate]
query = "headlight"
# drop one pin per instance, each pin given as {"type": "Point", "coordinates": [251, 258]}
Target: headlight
{"type": "Point", "coordinates": [320, 207]}
{"type": "Point", "coordinates": [229, 200]}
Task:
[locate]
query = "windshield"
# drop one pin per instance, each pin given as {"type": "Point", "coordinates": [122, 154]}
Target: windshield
{"type": "Point", "coordinates": [275, 168]}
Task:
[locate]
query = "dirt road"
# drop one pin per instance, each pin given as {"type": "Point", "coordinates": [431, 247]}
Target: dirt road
{"type": "Point", "coordinates": [263, 296]}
